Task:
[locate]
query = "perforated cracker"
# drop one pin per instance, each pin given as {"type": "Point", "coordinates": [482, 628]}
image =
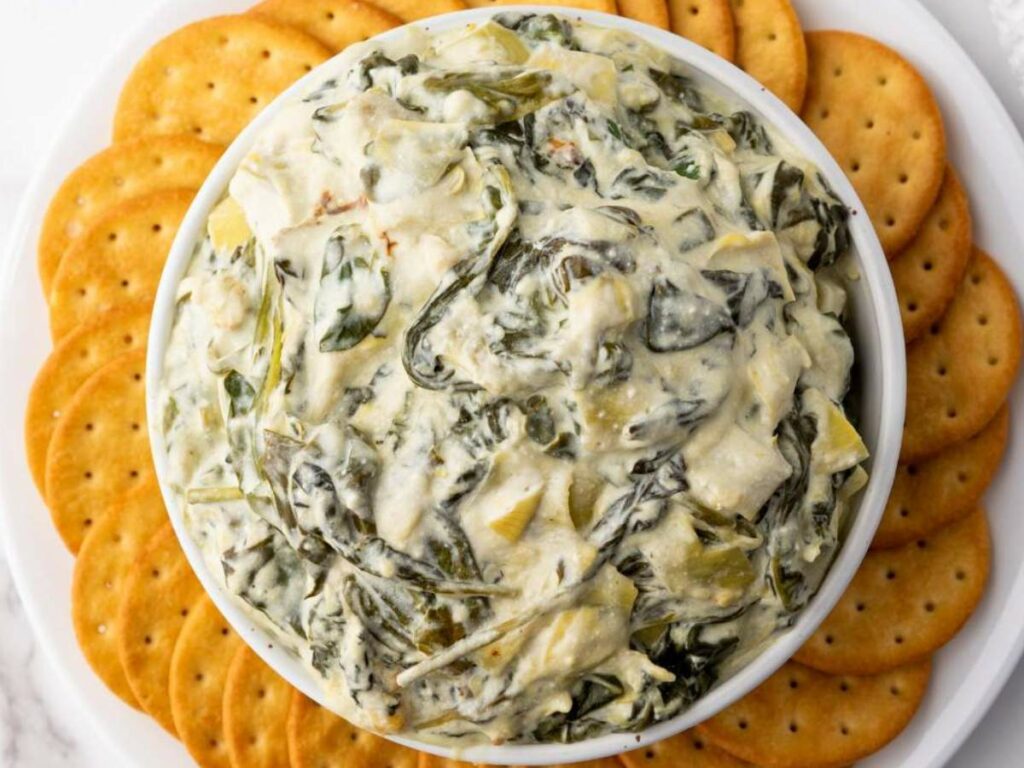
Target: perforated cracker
{"type": "Point", "coordinates": [118, 261]}
{"type": "Point", "coordinates": [411, 10]}
{"type": "Point", "coordinates": [905, 602]}
{"type": "Point", "coordinates": [708, 23]}
{"type": "Point", "coordinates": [877, 116]}
{"type": "Point", "coordinates": [159, 593]}
{"type": "Point", "coordinates": [256, 701]}
{"type": "Point", "coordinates": [318, 738]}
{"type": "Point", "coordinates": [960, 372]}
{"type": "Point", "coordinates": [653, 12]}
{"type": "Point", "coordinates": [335, 23]}
{"type": "Point", "coordinates": [211, 78]}
{"type": "Point", "coordinates": [118, 173]}
{"type": "Point", "coordinates": [928, 271]}
{"type": "Point", "coordinates": [934, 492]}
{"type": "Point", "coordinates": [202, 657]}
{"type": "Point", "coordinates": [800, 717]}
{"type": "Point", "coordinates": [770, 47]}
{"type": "Point", "coordinates": [78, 355]}
{"type": "Point", "coordinates": [684, 750]}
{"type": "Point", "coordinates": [100, 449]}
{"type": "Point", "coordinates": [602, 6]}
{"type": "Point", "coordinates": [101, 570]}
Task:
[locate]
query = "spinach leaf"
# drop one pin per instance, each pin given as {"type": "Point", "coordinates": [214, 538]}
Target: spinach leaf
{"type": "Point", "coordinates": [354, 292]}
{"type": "Point", "coordinates": [679, 319]}
{"type": "Point", "coordinates": [694, 228]}
{"type": "Point", "coordinates": [241, 394]}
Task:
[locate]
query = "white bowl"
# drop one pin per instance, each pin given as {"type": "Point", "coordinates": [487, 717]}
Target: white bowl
{"type": "Point", "coordinates": [879, 379]}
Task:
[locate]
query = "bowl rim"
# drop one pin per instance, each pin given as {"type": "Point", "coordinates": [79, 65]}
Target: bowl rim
{"type": "Point", "coordinates": [887, 346]}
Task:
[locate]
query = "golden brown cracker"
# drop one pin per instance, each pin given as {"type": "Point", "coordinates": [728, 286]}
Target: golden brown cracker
{"type": "Point", "coordinates": [928, 271]}
{"type": "Point", "coordinates": [119, 260]}
{"type": "Point", "coordinates": [653, 12]}
{"type": "Point", "coordinates": [904, 603]}
{"type": "Point", "coordinates": [770, 47]}
{"type": "Point", "coordinates": [318, 738]}
{"type": "Point", "coordinates": [934, 492]}
{"type": "Point", "coordinates": [101, 569]}
{"type": "Point", "coordinates": [427, 760]}
{"type": "Point", "coordinates": [118, 173]}
{"type": "Point", "coordinates": [210, 78]}
{"type": "Point", "coordinates": [802, 718]}
{"type": "Point", "coordinates": [411, 10]}
{"type": "Point", "coordinates": [960, 372]}
{"type": "Point", "coordinates": [684, 750]}
{"type": "Point", "coordinates": [256, 701]}
{"type": "Point", "coordinates": [78, 355]}
{"type": "Point", "coordinates": [160, 591]}
{"type": "Point", "coordinates": [100, 449]}
{"type": "Point", "coordinates": [709, 23]}
{"type": "Point", "coordinates": [876, 115]}
{"type": "Point", "coordinates": [602, 6]}
{"type": "Point", "coordinates": [202, 657]}
{"type": "Point", "coordinates": [335, 23]}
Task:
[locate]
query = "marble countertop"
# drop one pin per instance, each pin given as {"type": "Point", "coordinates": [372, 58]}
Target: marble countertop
{"type": "Point", "coordinates": [39, 727]}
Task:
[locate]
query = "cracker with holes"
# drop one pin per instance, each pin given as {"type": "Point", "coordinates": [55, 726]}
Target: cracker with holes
{"type": "Point", "coordinates": [927, 273]}
{"type": "Point", "coordinates": [602, 6]}
{"type": "Point", "coordinates": [256, 701]}
{"type": "Point", "coordinates": [318, 738]}
{"type": "Point", "coordinates": [99, 450]}
{"type": "Point", "coordinates": [433, 761]}
{"type": "Point", "coordinates": [905, 602]}
{"type": "Point", "coordinates": [411, 10]}
{"type": "Point", "coordinates": [876, 115]}
{"type": "Point", "coordinates": [708, 23]}
{"type": "Point", "coordinates": [210, 78]}
{"type": "Point", "coordinates": [802, 718]}
{"type": "Point", "coordinates": [202, 657]}
{"type": "Point", "coordinates": [960, 372]}
{"type": "Point", "coordinates": [684, 750]}
{"type": "Point", "coordinates": [78, 355]}
{"type": "Point", "coordinates": [118, 173]}
{"type": "Point", "coordinates": [770, 47]}
{"type": "Point", "coordinates": [653, 12]}
{"type": "Point", "coordinates": [101, 570]}
{"type": "Point", "coordinates": [119, 260]}
{"type": "Point", "coordinates": [335, 23]}
{"type": "Point", "coordinates": [160, 591]}
{"type": "Point", "coordinates": [934, 492]}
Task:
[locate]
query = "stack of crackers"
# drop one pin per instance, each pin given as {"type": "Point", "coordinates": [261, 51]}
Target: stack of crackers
{"type": "Point", "coordinates": [142, 619]}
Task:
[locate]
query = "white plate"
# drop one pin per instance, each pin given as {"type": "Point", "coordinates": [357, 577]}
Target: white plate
{"type": "Point", "coordinates": [983, 144]}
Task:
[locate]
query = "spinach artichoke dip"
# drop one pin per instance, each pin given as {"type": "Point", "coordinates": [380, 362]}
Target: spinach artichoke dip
{"type": "Point", "coordinates": [506, 387]}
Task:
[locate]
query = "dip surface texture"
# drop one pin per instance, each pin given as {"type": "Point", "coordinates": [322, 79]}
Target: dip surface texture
{"type": "Point", "coordinates": [506, 388]}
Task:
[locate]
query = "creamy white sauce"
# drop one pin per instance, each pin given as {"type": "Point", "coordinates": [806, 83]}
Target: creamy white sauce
{"type": "Point", "coordinates": [506, 389]}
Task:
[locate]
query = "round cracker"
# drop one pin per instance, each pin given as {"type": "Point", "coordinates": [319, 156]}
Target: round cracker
{"type": "Point", "coordinates": [119, 260]}
{"type": "Point", "coordinates": [938, 491]}
{"type": "Point", "coordinates": [202, 657]}
{"type": "Point", "coordinates": [334, 23]}
{"type": "Point", "coordinates": [100, 573]}
{"type": "Point", "coordinates": [78, 355]}
{"type": "Point", "coordinates": [708, 23]}
{"type": "Point", "coordinates": [602, 6]}
{"type": "Point", "coordinates": [904, 603]}
{"type": "Point", "coordinates": [256, 701]}
{"type": "Point", "coordinates": [210, 78]}
{"type": "Point", "coordinates": [878, 118]}
{"type": "Point", "coordinates": [428, 760]}
{"type": "Point", "coordinates": [159, 593]}
{"type": "Point", "coordinates": [961, 371]}
{"type": "Point", "coordinates": [927, 273]}
{"type": "Point", "coordinates": [116, 174]}
{"type": "Point", "coordinates": [318, 738]}
{"type": "Point", "coordinates": [411, 10]}
{"type": "Point", "coordinates": [653, 12]}
{"type": "Point", "coordinates": [800, 717]}
{"type": "Point", "coordinates": [99, 450]}
{"type": "Point", "coordinates": [684, 750]}
{"type": "Point", "coordinates": [770, 47]}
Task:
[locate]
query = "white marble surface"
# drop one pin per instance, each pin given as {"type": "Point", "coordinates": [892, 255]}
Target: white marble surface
{"type": "Point", "coordinates": [42, 46]}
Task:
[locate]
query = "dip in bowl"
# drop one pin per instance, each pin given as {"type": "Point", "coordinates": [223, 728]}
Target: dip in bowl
{"type": "Point", "coordinates": [502, 375]}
